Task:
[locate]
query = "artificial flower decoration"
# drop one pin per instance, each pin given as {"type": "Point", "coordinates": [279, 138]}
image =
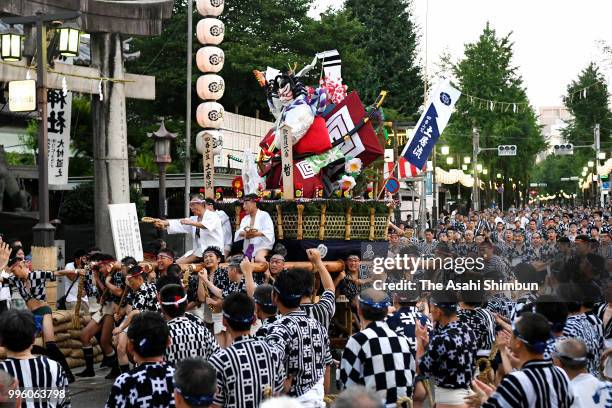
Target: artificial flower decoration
{"type": "Point", "coordinates": [353, 166]}
{"type": "Point", "coordinates": [347, 182]}
{"type": "Point", "coordinates": [335, 89]}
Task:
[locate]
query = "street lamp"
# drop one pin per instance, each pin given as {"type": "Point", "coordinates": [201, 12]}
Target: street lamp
{"type": "Point", "coordinates": [485, 171]}
{"type": "Point", "coordinates": [45, 253]}
{"type": "Point", "coordinates": [498, 175]}
{"type": "Point", "coordinates": [162, 138]}
{"type": "Point", "coordinates": [11, 45]}
{"type": "Point", "coordinates": [69, 41]}
{"type": "Point", "coordinates": [450, 160]}
{"type": "Point", "coordinates": [444, 150]}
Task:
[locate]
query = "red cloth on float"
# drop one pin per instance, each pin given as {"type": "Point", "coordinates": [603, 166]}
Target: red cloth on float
{"type": "Point", "coordinates": [316, 140]}
{"type": "Point", "coordinates": [302, 174]}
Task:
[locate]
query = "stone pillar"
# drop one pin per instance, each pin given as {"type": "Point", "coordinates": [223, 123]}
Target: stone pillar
{"type": "Point", "coordinates": [110, 135]}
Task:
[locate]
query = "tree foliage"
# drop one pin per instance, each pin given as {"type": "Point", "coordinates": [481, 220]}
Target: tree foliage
{"type": "Point", "coordinates": [389, 43]}
{"type": "Point", "coordinates": [486, 71]}
{"type": "Point", "coordinates": [587, 109]}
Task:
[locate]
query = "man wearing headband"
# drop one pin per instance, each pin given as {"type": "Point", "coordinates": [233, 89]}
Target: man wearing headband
{"type": "Point", "coordinates": [324, 309]}
{"type": "Point", "coordinates": [250, 369]}
{"type": "Point", "coordinates": [578, 324]}
{"type": "Point", "coordinates": [142, 298]}
{"type": "Point", "coordinates": [203, 225]}
{"type": "Point", "coordinates": [189, 337]}
{"type": "Point", "coordinates": [448, 356]}
{"type": "Point", "coordinates": [479, 319]}
{"type": "Point", "coordinates": [377, 357]}
{"type": "Point", "coordinates": [256, 230]}
{"type": "Point", "coordinates": [226, 225]}
{"type": "Point", "coordinates": [31, 287]}
{"type": "Point", "coordinates": [100, 267]}
{"type": "Point", "coordinates": [555, 311]}
{"type": "Point", "coordinates": [197, 291]}
{"type": "Point", "coordinates": [239, 279]}
{"type": "Point", "coordinates": [151, 382]}
{"type": "Point", "coordinates": [589, 391]}
{"type": "Point", "coordinates": [537, 383]}
{"type": "Point", "coordinates": [31, 371]}
{"type": "Point", "coordinates": [302, 341]}
{"type": "Point", "coordinates": [195, 383]}
{"type": "Point", "coordinates": [265, 309]}
{"type": "Point", "coordinates": [276, 266]}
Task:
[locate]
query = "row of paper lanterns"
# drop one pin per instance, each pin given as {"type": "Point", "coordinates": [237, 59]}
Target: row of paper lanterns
{"type": "Point", "coordinates": [210, 86]}
{"type": "Point", "coordinates": [455, 176]}
{"type": "Point", "coordinates": [603, 170]}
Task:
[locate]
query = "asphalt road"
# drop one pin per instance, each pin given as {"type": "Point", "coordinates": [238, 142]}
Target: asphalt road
{"type": "Point", "coordinates": [90, 392]}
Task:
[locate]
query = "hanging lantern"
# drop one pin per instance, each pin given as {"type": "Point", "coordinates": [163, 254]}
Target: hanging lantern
{"type": "Point", "coordinates": [210, 87]}
{"type": "Point", "coordinates": [11, 46]}
{"type": "Point", "coordinates": [217, 139]}
{"type": "Point", "coordinates": [210, 31]}
{"type": "Point", "coordinates": [69, 41]}
{"type": "Point", "coordinates": [210, 59]}
{"type": "Point", "coordinates": [210, 115]}
{"type": "Point", "coordinates": [210, 7]}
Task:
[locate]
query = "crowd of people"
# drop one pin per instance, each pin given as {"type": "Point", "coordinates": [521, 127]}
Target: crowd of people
{"type": "Point", "coordinates": [230, 324]}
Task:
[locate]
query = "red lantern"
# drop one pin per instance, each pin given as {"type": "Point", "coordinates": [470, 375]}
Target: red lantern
{"type": "Point", "coordinates": [299, 190]}
{"type": "Point", "coordinates": [318, 191]}
{"type": "Point", "coordinates": [238, 185]}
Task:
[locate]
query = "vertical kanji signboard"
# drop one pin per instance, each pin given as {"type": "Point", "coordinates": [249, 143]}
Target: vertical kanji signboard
{"type": "Point", "coordinates": [59, 108]}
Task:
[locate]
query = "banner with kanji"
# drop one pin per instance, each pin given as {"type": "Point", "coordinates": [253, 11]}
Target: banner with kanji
{"type": "Point", "coordinates": [59, 112]}
{"type": "Point", "coordinates": [431, 124]}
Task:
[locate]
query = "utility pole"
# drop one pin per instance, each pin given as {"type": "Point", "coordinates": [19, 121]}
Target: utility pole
{"type": "Point", "coordinates": [434, 190]}
{"type": "Point", "coordinates": [188, 108]}
{"type": "Point", "coordinates": [597, 147]}
{"type": "Point", "coordinates": [476, 188]}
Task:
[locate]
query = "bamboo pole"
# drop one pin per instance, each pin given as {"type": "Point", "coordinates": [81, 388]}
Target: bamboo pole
{"type": "Point", "coordinates": [279, 222]}
{"type": "Point", "coordinates": [372, 224]}
{"type": "Point", "coordinates": [300, 221]}
{"type": "Point", "coordinates": [349, 212]}
{"type": "Point", "coordinates": [323, 221]}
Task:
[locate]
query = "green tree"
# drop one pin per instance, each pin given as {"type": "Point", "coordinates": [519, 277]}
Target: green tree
{"type": "Point", "coordinates": [389, 41]}
{"type": "Point", "coordinates": [259, 33]}
{"type": "Point", "coordinates": [587, 100]}
{"type": "Point", "coordinates": [486, 71]}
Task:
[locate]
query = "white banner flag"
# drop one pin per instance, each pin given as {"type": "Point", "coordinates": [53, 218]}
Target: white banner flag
{"type": "Point", "coordinates": [59, 113]}
{"type": "Point", "coordinates": [430, 126]}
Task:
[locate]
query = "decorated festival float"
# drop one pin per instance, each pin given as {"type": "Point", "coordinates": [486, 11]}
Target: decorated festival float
{"type": "Point", "coordinates": [317, 173]}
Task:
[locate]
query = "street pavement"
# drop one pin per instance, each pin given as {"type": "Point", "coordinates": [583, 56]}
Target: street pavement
{"type": "Point", "coordinates": [90, 392]}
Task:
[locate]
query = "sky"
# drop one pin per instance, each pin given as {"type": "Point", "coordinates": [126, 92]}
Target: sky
{"type": "Point", "coordinates": [553, 40]}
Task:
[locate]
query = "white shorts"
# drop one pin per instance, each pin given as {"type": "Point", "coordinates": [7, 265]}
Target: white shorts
{"type": "Point", "coordinates": [314, 397]}
{"type": "Point", "coordinates": [98, 313]}
{"type": "Point", "coordinates": [451, 397]}
{"type": "Point", "coordinates": [218, 326]}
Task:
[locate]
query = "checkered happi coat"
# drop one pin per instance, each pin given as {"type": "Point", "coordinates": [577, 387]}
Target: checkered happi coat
{"type": "Point", "coordinates": [381, 360]}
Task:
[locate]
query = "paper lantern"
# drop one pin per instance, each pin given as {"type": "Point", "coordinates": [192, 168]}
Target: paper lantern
{"type": "Point", "coordinates": [210, 115]}
{"type": "Point", "coordinates": [210, 87]}
{"type": "Point", "coordinates": [217, 141]}
{"type": "Point", "coordinates": [210, 7]}
{"type": "Point", "coordinates": [210, 31]}
{"type": "Point", "coordinates": [210, 59]}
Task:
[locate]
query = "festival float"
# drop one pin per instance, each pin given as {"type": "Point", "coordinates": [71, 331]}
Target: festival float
{"type": "Point", "coordinates": [317, 171]}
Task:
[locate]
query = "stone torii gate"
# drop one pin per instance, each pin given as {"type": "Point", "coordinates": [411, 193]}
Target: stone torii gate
{"type": "Point", "coordinates": [106, 21]}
